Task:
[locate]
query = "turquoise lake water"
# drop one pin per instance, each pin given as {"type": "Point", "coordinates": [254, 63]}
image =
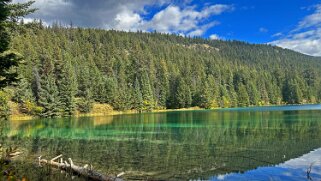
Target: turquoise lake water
{"type": "Point", "coordinates": [259, 143]}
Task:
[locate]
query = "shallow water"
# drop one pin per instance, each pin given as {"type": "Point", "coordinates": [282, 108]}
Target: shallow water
{"type": "Point", "coordinates": [260, 143]}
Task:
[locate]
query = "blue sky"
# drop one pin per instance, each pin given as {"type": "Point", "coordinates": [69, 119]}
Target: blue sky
{"type": "Point", "coordinates": [293, 24]}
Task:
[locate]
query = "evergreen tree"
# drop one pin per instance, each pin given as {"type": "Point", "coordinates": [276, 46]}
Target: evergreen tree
{"type": "Point", "coordinates": [48, 91]}
{"type": "Point", "coordinates": [205, 96]}
{"type": "Point", "coordinates": [138, 97]}
{"type": "Point", "coordinates": [243, 97]}
{"type": "Point", "coordinates": [225, 97]}
{"type": "Point", "coordinates": [171, 71]}
{"type": "Point", "coordinates": [253, 94]}
{"type": "Point", "coordinates": [111, 90]}
{"type": "Point", "coordinates": [147, 93]}
{"type": "Point", "coordinates": [291, 92]}
{"type": "Point", "coordinates": [23, 91]}
{"type": "Point", "coordinates": [9, 14]}
{"type": "Point", "coordinates": [183, 94]}
{"type": "Point", "coordinates": [85, 101]}
{"type": "Point", "coordinates": [162, 84]}
{"type": "Point", "coordinates": [67, 86]}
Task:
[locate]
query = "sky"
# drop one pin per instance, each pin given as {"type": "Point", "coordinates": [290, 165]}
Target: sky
{"type": "Point", "coordinates": [292, 24]}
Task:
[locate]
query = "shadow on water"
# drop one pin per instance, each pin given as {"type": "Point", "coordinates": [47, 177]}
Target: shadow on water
{"type": "Point", "coordinates": [173, 145]}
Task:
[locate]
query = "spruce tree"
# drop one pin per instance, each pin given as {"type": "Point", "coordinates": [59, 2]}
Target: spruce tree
{"type": "Point", "coordinates": [48, 93]}
{"type": "Point", "coordinates": [243, 97]}
{"type": "Point", "coordinates": [162, 84]}
{"type": "Point", "coordinates": [67, 86]}
{"type": "Point", "coordinates": [147, 93]}
{"type": "Point", "coordinates": [253, 93]}
{"type": "Point", "coordinates": [85, 102]}
{"type": "Point", "coordinates": [138, 97]}
{"type": "Point", "coordinates": [9, 15]}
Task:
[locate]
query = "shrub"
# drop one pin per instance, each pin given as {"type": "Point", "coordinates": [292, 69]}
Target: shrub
{"type": "Point", "coordinates": [84, 105]}
{"type": "Point", "coordinates": [4, 107]}
{"type": "Point", "coordinates": [30, 108]}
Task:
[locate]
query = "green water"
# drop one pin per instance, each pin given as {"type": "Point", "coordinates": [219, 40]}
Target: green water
{"type": "Point", "coordinates": [176, 145]}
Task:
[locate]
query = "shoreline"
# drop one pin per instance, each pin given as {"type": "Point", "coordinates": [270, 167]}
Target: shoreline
{"type": "Point", "coordinates": [21, 117]}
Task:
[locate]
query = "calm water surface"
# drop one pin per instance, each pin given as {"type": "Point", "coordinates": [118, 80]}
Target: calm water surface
{"type": "Point", "coordinates": [261, 143]}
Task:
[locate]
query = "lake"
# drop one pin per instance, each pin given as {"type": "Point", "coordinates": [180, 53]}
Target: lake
{"type": "Point", "coordinates": [259, 143]}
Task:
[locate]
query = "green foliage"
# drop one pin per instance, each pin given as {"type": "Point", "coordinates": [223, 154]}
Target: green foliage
{"type": "Point", "coordinates": [144, 71]}
{"type": "Point", "coordinates": [31, 108]}
{"type": "Point", "coordinates": [10, 13]}
{"type": "Point", "coordinates": [243, 97]}
{"type": "Point", "coordinates": [147, 93]}
{"type": "Point", "coordinates": [138, 97]}
{"type": "Point", "coordinates": [48, 93]}
{"type": "Point", "coordinates": [67, 86]}
{"type": "Point", "coordinates": [23, 91]}
{"type": "Point", "coordinates": [4, 108]}
{"type": "Point", "coordinates": [84, 105]}
{"type": "Point", "coordinates": [292, 93]}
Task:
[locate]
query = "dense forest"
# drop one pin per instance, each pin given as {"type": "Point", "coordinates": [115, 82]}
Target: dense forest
{"type": "Point", "coordinates": [67, 69]}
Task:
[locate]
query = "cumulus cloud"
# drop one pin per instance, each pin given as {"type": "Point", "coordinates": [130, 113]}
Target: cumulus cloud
{"type": "Point", "coordinates": [306, 37]}
{"type": "Point", "coordinates": [128, 15]}
{"type": "Point", "coordinates": [98, 13]}
{"type": "Point", "coordinates": [215, 37]}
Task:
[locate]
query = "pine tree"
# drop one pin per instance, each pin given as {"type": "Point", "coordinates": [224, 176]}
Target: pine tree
{"type": "Point", "coordinates": [85, 101]}
{"type": "Point", "coordinates": [111, 90]}
{"type": "Point", "coordinates": [243, 97]}
{"type": "Point", "coordinates": [147, 93]}
{"type": "Point", "coordinates": [292, 93]}
{"type": "Point", "coordinates": [9, 15]}
{"type": "Point", "coordinates": [49, 97]}
{"type": "Point", "coordinates": [253, 94]}
{"type": "Point", "coordinates": [48, 91]}
{"type": "Point", "coordinates": [23, 91]}
{"type": "Point", "coordinates": [205, 96]}
{"type": "Point", "coordinates": [138, 97]}
{"type": "Point", "coordinates": [162, 84]}
{"type": "Point", "coordinates": [225, 97]}
{"type": "Point", "coordinates": [183, 94]}
{"type": "Point", "coordinates": [67, 86]}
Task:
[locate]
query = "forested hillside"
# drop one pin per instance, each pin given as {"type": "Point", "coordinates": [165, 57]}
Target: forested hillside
{"type": "Point", "coordinates": [70, 68]}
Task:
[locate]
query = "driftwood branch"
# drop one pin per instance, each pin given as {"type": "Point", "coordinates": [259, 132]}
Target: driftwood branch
{"type": "Point", "coordinates": [9, 154]}
{"type": "Point", "coordinates": [309, 172]}
{"type": "Point", "coordinates": [84, 171]}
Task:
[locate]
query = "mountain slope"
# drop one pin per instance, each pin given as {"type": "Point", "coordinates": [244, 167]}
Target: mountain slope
{"type": "Point", "coordinates": [67, 68]}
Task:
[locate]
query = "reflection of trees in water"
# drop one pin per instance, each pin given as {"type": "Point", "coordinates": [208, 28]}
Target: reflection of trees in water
{"type": "Point", "coordinates": [179, 144]}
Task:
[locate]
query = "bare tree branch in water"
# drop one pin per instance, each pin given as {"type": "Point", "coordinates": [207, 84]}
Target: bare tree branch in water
{"type": "Point", "coordinates": [6, 157]}
{"type": "Point", "coordinates": [309, 172]}
{"type": "Point", "coordinates": [85, 171]}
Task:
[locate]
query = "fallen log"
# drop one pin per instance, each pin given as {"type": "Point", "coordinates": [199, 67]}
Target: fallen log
{"type": "Point", "coordinates": [82, 171]}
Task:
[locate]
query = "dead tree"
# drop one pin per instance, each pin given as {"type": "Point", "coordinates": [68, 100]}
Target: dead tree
{"type": "Point", "coordinates": [84, 171]}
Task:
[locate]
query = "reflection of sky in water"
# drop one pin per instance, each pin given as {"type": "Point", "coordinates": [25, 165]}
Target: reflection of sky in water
{"type": "Point", "coordinates": [294, 169]}
{"type": "Point", "coordinates": [276, 108]}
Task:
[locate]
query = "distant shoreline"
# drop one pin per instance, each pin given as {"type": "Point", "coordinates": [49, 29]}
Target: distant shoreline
{"type": "Point", "coordinates": [19, 117]}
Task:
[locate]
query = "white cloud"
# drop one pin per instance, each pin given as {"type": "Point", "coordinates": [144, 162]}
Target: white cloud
{"type": "Point", "coordinates": [263, 30]}
{"type": "Point", "coordinates": [277, 34]}
{"type": "Point", "coordinates": [215, 37]}
{"type": "Point", "coordinates": [197, 32]}
{"type": "Point", "coordinates": [306, 37]}
{"type": "Point", "coordinates": [188, 21]}
{"type": "Point", "coordinates": [127, 20]}
{"type": "Point", "coordinates": [217, 9]}
{"type": "Point", "coordinates": [312, 20]}
{"type": "Point", "coordinates": [99, 14]}
{"type": "Point", "coordinates": [128, 15]}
